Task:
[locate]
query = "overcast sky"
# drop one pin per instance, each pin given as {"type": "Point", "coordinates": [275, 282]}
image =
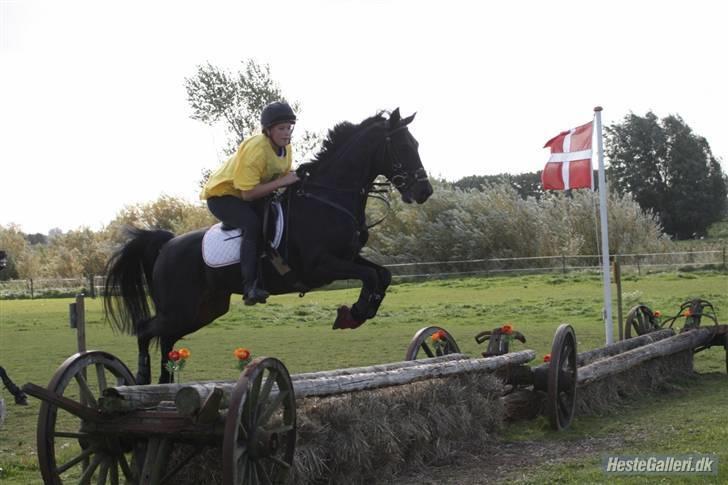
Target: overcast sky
{"type": "Point", "coordinates": [94, 116]}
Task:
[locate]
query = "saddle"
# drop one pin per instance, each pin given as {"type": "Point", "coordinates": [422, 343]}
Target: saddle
{"type": "Point", "coordinates": [221, 243]}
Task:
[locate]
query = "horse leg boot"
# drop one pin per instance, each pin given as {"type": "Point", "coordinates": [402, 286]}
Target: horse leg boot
{"type": "Point", "coordinates": [249, 268]}
{"type": "Point", "coordinates": [18, 394]}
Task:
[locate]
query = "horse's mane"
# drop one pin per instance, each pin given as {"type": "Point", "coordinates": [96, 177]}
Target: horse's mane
{"type": "Point", "coordinates": [337, 137]}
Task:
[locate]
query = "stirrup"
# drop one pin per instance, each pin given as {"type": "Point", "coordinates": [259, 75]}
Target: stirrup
{"type": "Point", "coordinates": [255, 295]}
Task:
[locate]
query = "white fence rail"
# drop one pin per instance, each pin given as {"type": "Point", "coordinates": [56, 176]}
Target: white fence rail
{"type": "Point", "coordinates": [637, 263]}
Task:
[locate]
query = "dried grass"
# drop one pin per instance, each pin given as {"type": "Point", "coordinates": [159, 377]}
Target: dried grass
{"type": "Point", "coordinates": [656, 375]}
{"type": "Point", "coordinates": [373, 436]}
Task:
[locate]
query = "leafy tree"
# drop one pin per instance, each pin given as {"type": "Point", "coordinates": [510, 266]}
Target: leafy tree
{"type": "Point", "coordinates": [236, 100]}
{"type": "Point", "coordinates": [669, 170]}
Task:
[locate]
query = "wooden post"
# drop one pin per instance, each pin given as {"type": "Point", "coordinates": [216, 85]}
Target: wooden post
{"type": "Point", "coordinates": [618, 282]}
{"type": "Point", "coordinates": [563, 264]}
{"type": "Point", "coordinates": [31, 288]}
{"type": "Point", "coordinates": [80, 323]}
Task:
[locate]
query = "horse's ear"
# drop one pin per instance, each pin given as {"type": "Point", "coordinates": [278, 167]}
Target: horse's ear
{"type": "Point", "coordinates": [408, 119]}
{"type": "Point", "coordinates": [394, 118]}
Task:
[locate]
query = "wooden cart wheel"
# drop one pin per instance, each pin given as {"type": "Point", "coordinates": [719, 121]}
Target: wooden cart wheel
{"type": "Point", "coordinates": [641, 320]}
{"type": "Point", "coordinates": [698, 309]}
{"type": "Point", "coordinates": [422, 340]}
{"type": "Point", "coordinates": [562, 371]}
{"type": "Point", "coordinates": [260, 427]}
{"type": "Point", "coordinates": [68, 450]}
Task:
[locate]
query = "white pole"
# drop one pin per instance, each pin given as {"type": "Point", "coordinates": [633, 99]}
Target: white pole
{"type": "Point", "coordinates": [605, 231]}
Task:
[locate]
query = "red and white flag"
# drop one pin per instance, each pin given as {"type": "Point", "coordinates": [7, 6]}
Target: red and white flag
{"type": "Point", "coordinates": [570, 164]}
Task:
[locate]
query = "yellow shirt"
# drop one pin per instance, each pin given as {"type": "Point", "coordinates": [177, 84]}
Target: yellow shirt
{"type": "Point", "coordinates": [254, 163]}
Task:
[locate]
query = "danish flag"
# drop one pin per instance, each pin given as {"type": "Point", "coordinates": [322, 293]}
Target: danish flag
{"type": "Point", "coordinates": [570, 164]}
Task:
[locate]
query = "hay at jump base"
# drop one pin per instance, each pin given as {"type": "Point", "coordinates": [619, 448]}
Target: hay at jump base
{"type": "Point", "coordinates": [373, 436]}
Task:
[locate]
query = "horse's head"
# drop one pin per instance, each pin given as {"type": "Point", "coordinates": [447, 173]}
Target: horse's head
{"type": "Point", "coordinates": [403, 165]}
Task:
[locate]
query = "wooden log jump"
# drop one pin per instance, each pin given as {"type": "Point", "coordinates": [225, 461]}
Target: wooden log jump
{"type": "Point", "coordinates": [189, 398]}
{"type": "Point", "coordinates": [619, 363]}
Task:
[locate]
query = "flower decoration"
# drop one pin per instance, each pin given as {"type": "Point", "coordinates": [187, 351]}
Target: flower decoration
{"type": "Point", "coordinates": [439, 340]}
{"type": "Point", "coordinates": [243, 357]}
{"type": "Point", "coordinates": [657, 313]}
{"type": "Point", "coordinates": [176, 362]}
{"type": "Point", "coordinates": [687, 312]}
{"type": "Point", "coordinates": [507, 329]}
{"type": "Point", "coordinates": [547, 358]}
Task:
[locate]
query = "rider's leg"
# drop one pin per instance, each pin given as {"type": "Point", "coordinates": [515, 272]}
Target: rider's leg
{"type": "Point", "coordinates": [238, 213]}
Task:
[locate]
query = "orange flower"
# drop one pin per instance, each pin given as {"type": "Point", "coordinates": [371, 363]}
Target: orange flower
{"type": "Point", "coordinates": [687, 312]}
{"type": "Point", "coordinates": [547, 358]}
{"type": "Point", "coordinates": [439, 335]}
{"type": "Point", "coordinates": [657, 313]}
{"type": "Point", "coordinates": [184, 353]}
{"type": "Point", "coordinates": [241, 353]}
{"type": "Point", "coordinates": [173, 356]}
{"type": "Point", "coordinates": [507, 329]}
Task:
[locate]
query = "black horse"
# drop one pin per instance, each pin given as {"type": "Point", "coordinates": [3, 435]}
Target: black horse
{"type": "Point", "coordinates": [323, 237]}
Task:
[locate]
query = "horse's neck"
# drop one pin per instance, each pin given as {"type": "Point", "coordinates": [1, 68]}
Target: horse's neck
{"type": "Point", "coordinates": [353, 167]}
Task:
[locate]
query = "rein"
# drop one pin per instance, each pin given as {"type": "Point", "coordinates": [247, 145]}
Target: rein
{"type": "Point", "coordinates": [400, 179]}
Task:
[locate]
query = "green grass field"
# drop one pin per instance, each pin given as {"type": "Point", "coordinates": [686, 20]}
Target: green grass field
{"type": "Point", "coordinates": [35, 338]}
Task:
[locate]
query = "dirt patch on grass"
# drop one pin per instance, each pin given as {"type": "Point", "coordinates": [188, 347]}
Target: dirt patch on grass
{"type": "Point", "coordinates": [506, 461]}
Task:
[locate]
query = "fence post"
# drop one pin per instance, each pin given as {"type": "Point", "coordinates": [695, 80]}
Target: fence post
{"type": "Point", "coordinates": [639, 272]}
{"type": "Point", "coordinates": [618, 281]}
{"type": "Point", "coordinates": [77, 320]}
{"type": "Point", "coordinates": [91, 286]}
{"type": "Point", "coordinates": [563, 264]}
{"type": "Point", "coordinates": [31, 288]}
{"type": "Point", "coordinates": [724, 258]}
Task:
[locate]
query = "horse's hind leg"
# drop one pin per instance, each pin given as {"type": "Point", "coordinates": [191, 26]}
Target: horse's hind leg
{"type": "Point", "coordinates": [144, 370]}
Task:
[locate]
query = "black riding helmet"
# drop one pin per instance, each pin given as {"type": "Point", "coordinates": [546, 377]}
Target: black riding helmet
{"type": "Point", "coordinates": [277, 112]}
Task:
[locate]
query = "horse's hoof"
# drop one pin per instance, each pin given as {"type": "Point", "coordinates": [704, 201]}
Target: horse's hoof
{"type": "Point", "coordinates": [345, 320]}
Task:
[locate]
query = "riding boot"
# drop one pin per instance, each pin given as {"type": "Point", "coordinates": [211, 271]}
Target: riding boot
{"type": "Point", "coordinates": [249, 266]}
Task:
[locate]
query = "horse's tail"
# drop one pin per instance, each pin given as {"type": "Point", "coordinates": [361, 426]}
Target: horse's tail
{"type": "Point", "coordinates": [125, 298]}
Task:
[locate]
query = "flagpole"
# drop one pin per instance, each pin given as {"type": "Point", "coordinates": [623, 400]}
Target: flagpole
{"type": "Point", "coordinates": [605, 231]}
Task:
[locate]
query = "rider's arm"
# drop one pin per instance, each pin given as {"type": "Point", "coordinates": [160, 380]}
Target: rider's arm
{"type": "Point", "coordinates": [261, 190]}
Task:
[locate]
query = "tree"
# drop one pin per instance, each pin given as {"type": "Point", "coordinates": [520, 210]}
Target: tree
{"type": "Point", "coordinates": [236, 100]}
{"type": "Point", "coordinates": [669, 170]}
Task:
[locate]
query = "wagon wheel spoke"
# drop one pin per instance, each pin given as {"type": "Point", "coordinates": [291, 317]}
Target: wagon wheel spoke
{"type": "Point", "coordinates": [242, 462]}
{"type": "Point", "coordinates": [274, 404]}
{"type": "Point", "coordinates": [427, 349]}
{"type": "Point", "coordinates": [114, 472]}
{"type": "Point", "coordinates": [242, 433]}
{"type": "Point", "coordinates": [262, 474]}
{"type": "Point", "coordinates": [278, 461]}
{"type": "Point", "coordinates": [89, 471]}
{"type": "Point", "coordinates": [239, 453]}
{"type": "Point", "coordinates": [103, 471]}
{"type": "Point", "coordinates": [101, 376]}
{"type": "Point", "coordinates": [75, 460]}
{"type": "Point", "coordinates": [125, 468]}
{"type": "Point", "coordinates": [85, 390]}
{"type": "Point", "coordinates": [70, 434]}
{"type": "Point", "coordinates": [265, 391]}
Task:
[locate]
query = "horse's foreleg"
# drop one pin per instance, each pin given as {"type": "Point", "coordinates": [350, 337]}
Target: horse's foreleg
{"type": "Point", "coordinates": [333, 268]}
{"type": "Point", "coordinates": [384, 279]}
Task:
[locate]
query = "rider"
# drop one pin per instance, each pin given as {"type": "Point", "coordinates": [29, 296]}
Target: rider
{"type": "Point", "coordinates": [261, 165]}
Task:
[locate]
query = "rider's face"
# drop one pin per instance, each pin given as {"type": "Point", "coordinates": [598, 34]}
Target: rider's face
{"type": "Point", "coordinates": [280, 134]}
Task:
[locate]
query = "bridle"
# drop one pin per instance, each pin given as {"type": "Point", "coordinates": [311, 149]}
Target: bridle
{"type": "Point", "coordinates": [400, 178]}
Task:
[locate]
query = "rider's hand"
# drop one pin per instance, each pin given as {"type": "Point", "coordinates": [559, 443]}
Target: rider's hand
{"type": "Point", "coordinates": [288, 179]}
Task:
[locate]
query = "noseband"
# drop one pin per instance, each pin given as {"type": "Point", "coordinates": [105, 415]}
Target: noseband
{"type": "Point", "coordinates": [400, 178]}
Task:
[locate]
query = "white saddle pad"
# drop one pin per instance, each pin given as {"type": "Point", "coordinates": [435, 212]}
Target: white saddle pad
{"type": "Point", "coordinates": [222, 248]}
